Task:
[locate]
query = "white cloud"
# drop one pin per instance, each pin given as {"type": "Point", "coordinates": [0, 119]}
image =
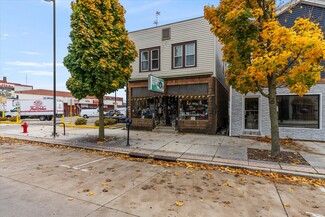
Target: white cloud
{"type": "Point", "coordinates": [146, 6]}
{"type": "Point", "coordinates": [25, 33]}
{"type": "Point", "coordinates": [32, 64]}
{"type": "Point", "coordinates": [4, 36]}
{"type": "Point", "coordinates": [36, 72]}
{"type": "Point", "coordinates": [29, 52]}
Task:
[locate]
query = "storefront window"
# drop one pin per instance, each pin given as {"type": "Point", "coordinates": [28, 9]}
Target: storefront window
{"type": "Point", "coordinates": [194, 109]}
{"type": "Point", "coordinates": [296, 111]}
{"type": "Point", "coordinates": [143, 108]}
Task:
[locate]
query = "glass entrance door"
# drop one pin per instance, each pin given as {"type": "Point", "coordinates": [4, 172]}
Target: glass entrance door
{"type": "Point", "coordinates": [172, 110]}
{"type": "Point", "coordinates": [251, 114]}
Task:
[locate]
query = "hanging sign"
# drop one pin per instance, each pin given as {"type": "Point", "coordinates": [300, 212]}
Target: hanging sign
{"type": "Point", "coordinates": [156, 84]}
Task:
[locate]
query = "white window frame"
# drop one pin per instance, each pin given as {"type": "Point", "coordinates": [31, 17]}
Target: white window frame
{"type": "Point", "coordinates": [174, 56]}
{"type": "Point", "coordinates": [151, 60]}
{"type": "Point", "coordinates": [186, 65]}
{"type": "Point", "coordinates": [320, 110]}
{"type": "Point", "coordinates": [259, 113]}
{"type": "Point", "coordinates": [145, 51]}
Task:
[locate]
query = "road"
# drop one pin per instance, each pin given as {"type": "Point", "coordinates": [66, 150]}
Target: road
{"type": "Point", "coordinates": [47, 181]}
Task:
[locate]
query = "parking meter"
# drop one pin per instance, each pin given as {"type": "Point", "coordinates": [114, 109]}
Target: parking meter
{"type": "Point", "coordinates": [128, 125]}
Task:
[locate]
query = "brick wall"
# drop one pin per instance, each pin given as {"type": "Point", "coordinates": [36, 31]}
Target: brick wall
{"type": "Point", "coordinates": [142, 124]}
{"type": "Point", "coordinates": [209, 126]}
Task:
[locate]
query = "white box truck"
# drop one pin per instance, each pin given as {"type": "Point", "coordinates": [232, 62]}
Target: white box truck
{"type": "Point", "coordinates": [40, 108]}
{"type": "Point", "coordinates": [9, 108]}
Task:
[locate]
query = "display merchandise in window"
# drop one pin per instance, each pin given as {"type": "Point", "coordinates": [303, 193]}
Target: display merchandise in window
{"type": "Point", "coordinates": [194, 109]}
{"type": "Point", "coordinates": [143, 108]}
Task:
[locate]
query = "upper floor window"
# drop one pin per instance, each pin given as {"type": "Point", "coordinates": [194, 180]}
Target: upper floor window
{"type": "Point", "coordinates": [150, 59]}
{"type": "Point", "coordinates": [184, 55]}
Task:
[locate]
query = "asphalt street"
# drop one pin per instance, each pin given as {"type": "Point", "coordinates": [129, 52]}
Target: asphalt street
{"type": "Point", "coordinates": [45, 181]}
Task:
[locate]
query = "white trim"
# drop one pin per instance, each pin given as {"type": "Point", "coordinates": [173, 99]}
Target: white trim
{"type": "Point", "coordinates": [320, 111]}
{"type": "Point", "coordinates": [174, 56]}
{"type": "Point", "coordinates": [259, 113]}
{"type": "Point", "coordinates": [185, 48]}
{"type": "Point", "coordinates": [230, 110]}
{"type": "Point", "coordinates": [215, 57]}
{"type": "Point", "coordinates": [157, 69]}
{"type": "Point", "coordinates": [145, 51]}
{"type": "Point", "coordinates": [292, 4]}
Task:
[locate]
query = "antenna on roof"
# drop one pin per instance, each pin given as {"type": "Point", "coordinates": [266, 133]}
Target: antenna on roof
{"type": "Point", "coordinates": [156, 21]}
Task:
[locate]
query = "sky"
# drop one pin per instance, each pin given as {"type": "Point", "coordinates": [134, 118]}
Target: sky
{"type": "Point", "coordinates": [26, 34]}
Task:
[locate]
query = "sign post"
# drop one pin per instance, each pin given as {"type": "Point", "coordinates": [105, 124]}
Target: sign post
{"type": "Point", "coordinates": [71, 103]}
{"type": "Point", "coordinates": [3, 101]}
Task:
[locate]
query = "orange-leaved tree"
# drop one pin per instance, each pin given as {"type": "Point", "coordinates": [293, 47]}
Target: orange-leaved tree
{"type": "Point", "coordinates": [100, 52]}
{"type": "Point", "coordinates": [263, 55]}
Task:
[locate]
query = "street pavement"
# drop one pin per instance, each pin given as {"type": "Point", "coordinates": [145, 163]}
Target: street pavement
{"type": "Point", "coordinates": [45, 181]}
{"type": "Point", "coordinates": [208, 149]}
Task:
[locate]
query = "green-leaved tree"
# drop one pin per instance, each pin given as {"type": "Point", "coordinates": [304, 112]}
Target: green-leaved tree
{"type": "Point", "coordinates": [100, 54]}
{"type": "Point", "coordinates": [262, 55]}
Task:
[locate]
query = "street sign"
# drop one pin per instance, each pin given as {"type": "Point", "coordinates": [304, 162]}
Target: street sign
{"type": "Point", "coordinates": [71, 102]}
{"type": "Point", "coordinates": [156, 84]}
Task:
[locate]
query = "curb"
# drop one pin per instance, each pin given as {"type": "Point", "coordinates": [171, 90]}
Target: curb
{"type": "Point", "coordinates": [173, 159]}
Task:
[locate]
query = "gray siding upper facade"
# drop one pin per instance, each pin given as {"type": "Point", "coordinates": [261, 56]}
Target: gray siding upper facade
{"type": "Point", "coordinates": [302, 10]}
{"type": "Point", "coordinates": [209, 55]}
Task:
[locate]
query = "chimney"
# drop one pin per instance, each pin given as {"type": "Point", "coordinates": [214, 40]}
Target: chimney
{"type": "Point", "coordinates": [4, 79]}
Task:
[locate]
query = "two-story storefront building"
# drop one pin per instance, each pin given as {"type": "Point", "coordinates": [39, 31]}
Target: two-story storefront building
{"type": "Point", "coordinates": [186, 88]}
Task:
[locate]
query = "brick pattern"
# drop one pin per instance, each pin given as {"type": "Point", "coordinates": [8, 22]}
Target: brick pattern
{"type": "Point", "coordinates": [209, 126]}
{"type": "Point", "coordinates": [144, 124]}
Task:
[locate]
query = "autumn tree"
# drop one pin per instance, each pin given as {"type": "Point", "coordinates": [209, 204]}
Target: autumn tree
{"type": "Point", "coordinates": [100, 54]}
{"type": "Point", "coordinates": [262, 55]}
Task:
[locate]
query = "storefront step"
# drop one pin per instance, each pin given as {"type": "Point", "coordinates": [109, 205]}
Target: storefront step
{"type": "Point", "coordinates": [164, 129]}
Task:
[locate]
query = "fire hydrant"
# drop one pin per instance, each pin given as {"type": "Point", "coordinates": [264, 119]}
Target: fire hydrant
{"type": "Point", "coordinates": [25, 126]}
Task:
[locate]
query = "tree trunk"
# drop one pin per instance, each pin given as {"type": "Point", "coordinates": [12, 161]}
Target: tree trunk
{"type": "Point", "coordinates": [101, 133]}
{"type": "Point", "coordinates": [275, 149]}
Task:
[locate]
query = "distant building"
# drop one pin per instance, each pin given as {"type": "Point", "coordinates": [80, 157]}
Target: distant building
{"type": "Point", "coordinates": [66, 97]}
{"type": "Point", "coordinates": [20, 91]}
{"type": "Point", "coordinates": [8, 89]}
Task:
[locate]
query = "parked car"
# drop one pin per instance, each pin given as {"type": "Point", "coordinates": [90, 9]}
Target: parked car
{"type": "Point", "coordinates": [86, 113]}
{"type": "Point", "coordinates": [115, 114]}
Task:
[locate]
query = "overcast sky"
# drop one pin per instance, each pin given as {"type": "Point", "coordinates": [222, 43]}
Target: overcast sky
{"type": "Point", "coordinates": [26, 34]}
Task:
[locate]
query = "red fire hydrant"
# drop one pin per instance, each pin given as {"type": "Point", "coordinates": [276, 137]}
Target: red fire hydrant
{"type": "Point", "coordinates": [25, 126]}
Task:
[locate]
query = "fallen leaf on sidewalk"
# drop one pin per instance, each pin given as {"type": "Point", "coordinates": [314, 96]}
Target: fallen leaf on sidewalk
{"type": "Point", "coordinates": [286, 205]}
{"type": "Point", "coordinates": [227, 184]}
{"type": "Point", "coordinates": [225, 203]}
{"type": "Point", "coordinates": [291, 189]}
{"type": "Point", "coordinates": [70, 198]}
{"type": "Point", "coordinates": [91, 193]}
{"type": "Point", "coordinates": [179, 203]}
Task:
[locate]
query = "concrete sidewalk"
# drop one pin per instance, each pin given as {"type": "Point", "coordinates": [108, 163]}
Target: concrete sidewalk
{"type": "Point", "coordinates": [209, 149]}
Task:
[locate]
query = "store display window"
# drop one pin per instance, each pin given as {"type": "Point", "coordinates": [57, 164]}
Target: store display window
{"type": "Point", "coordinates": [194, 109]}
{"type": "Point", "coordinates": [143, 108]}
